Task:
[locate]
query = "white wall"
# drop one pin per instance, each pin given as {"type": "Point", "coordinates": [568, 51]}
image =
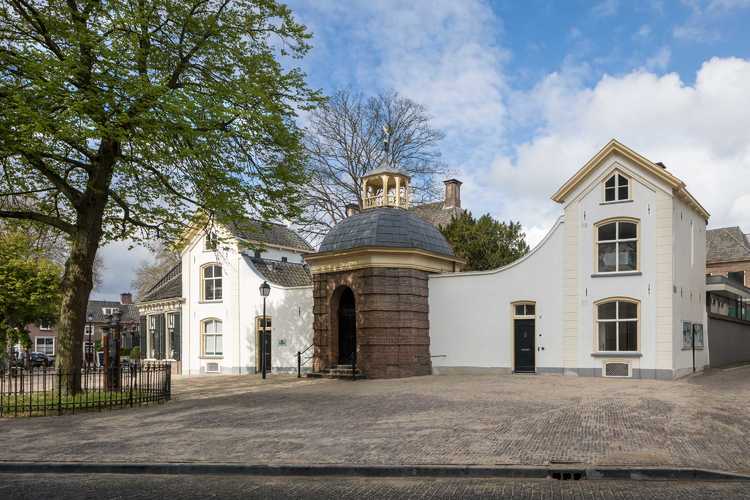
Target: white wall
{"type": "Point", "coordinates": [290, 310]}
{"type": "Point", "coordinates": [470, 313]}
{"type": "Point", "coordinates": [689, 300]}
{"type": "Point", "coordinates": [471, 317]}
{"type": "Point", "coordinates": [591, 209]}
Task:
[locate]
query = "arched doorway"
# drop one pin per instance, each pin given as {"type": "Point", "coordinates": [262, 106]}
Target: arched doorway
{"type": "Point", "coordinates": [347, 320]}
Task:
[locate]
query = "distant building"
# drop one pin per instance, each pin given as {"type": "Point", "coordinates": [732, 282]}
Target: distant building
{"type": "Point", "coordinates": [728, 254]}
{"type": "Point", "coordinates": [44, 336]}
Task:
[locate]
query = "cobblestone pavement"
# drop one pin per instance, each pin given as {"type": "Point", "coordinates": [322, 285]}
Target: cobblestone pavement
{"type": "Point", "coordinates": [105, 486]}
{"type": "Point", "coordinates": [702, 421]}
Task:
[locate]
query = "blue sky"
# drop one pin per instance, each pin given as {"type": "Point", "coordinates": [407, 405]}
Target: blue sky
{"type": "Point", "coordinates": [527, 91]}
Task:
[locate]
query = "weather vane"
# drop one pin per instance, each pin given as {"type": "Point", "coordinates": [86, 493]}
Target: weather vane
{"type": "Point", "coordinates": [387, 142]}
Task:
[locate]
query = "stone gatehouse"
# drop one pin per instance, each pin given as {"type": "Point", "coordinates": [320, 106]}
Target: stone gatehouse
{"type": "Point", "coordinates": [370, 284]}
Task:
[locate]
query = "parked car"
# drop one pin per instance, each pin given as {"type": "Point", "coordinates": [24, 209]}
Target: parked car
{"type": "Point", "coordinates": [39, 359]}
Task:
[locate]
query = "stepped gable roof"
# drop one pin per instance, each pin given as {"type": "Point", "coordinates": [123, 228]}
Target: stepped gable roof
{"type": "Point", "coordinates": [385, 227]}
{"type": "Point", "coordinates": [286, 274]}
{"type": "Point", "coordinates": [727, 244]}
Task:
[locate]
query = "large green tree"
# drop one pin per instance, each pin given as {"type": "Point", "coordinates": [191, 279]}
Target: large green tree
{"type": "Point", "coordinates": [123, 118]}
{"type": "Point", "coordinates": [485, 243]}
{"type": "Point", "coordinates": [30, 291]}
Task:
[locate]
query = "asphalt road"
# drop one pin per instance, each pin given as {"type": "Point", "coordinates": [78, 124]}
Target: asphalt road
{"type": "Point", "coordinates": [131, 486]}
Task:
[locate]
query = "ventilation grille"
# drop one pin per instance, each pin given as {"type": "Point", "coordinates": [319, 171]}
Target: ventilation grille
{"type": "Point", "coordinates": [212, 367]}
{"type": "Point", "coordinates": [616, 370]}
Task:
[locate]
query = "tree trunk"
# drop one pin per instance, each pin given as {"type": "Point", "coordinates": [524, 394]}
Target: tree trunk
{"type": "Point", "coordinates": [77, 279]}
{"type": "Point", "coordinates": [77, 283]}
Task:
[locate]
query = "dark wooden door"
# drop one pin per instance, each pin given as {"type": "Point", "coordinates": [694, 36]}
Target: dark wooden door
{"type": "Point", "coordinates": [525, 349]}
{"type": "Point", "coordinates": [347, 328]}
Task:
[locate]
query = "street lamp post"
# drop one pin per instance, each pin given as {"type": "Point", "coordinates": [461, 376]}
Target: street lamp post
{"type": "Point", "coordinates": [90, 342]}
{"type": "Point", "coordinates": [111, 343]}
{"type": "Point", "coordinates": [265, 290]}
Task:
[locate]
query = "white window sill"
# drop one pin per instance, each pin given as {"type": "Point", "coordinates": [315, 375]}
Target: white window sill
{"type": "Point", "coordinates": [616, 354]}
{"type": "Point", "coordinates": [621, 273]}
{"type": "Point", "coordinates": [690, 348]}
{"type": "Point", "coordinates": [218, 356]}
{"type": "Point", "coordinates": [615, 202]}
{"type": "Point", "coordinates": [219, 301]}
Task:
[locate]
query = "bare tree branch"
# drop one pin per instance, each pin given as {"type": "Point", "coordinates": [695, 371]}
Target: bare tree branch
{"type": "Point", "coordinates": [345, 139]}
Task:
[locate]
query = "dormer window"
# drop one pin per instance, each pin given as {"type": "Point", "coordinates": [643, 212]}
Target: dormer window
{"type": "Point", "coordinates": [617, 188]}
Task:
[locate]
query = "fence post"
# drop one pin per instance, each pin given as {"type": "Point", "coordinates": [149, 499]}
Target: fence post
{"type": "Point", "coordinates": [59, 392]}
{"type": "Point", "coordinates": [299, 364]}
{"type": "Point", "coordinates": [168, 383]}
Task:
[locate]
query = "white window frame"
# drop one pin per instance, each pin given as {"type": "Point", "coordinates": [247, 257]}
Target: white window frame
{"type": "Point", "coordinates": [617, 176]}
{"type": "Point", "coordinates": [215, 279]}
{"type": "Point", "coordinates": [617, 320]}
{"type": "Point", "coordinates": [45, 326]}
{"type": "Point", "coordinates": [526, 314]}
{"type": "Point", "coordinates": [617, 241]}
{"type": "Point", "coordinates": [204, 335]}
{"type": "Point", "coordinates": [36, 345]}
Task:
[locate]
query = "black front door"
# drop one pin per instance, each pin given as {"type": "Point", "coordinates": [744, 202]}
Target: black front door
{"type": "Point", "coordinates": [347, 328]}
{"type": "Point", "coordinates": [524, 335]}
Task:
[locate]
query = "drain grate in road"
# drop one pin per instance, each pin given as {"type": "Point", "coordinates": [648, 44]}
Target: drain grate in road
{"type": "Point", "coordinates": [572, 475]}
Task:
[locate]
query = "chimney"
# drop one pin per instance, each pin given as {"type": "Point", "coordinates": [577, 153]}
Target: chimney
{"type": "Point", "coordinates": [126, 298]}
{"type": "Point", "coordinates": [352, 209]}
{"type": "Point", "coordinates": [452, 193]}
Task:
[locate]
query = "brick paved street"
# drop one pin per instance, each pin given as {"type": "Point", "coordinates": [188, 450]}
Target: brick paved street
{"type": "Point", "coordinates": [103, 486]}
{"type": "Point", "coordinates": [702, 421]}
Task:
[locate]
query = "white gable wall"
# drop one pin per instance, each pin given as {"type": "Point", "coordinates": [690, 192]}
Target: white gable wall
{"type": "Point", "coordinates": [588, 203]}
{"type": "Point", "coordinates": [290, 310]}
{"type": "Point", "coordinates": [471, 314]}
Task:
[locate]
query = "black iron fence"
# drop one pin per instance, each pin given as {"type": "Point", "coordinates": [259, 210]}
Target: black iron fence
{"type": "Point", "coordinates": [40, 391]}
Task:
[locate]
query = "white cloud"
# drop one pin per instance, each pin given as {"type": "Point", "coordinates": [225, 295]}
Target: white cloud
{"type": "Point", "coordinates": [727, 5]}
{"type": "Point", "coordinates": [660, 60]}
{"type": "Point", "coordinates": [643, 32]}
{"type": "Point", "coordinates": [695, 31]}
{"type": "Point", "coordinates": [605, 8]}
{"type": "Point", "coordinates": [704, 22]}
{"type": "Point", "coordinates": [443, 54]}
{"type": "Point", "coordinates": [699, 131]}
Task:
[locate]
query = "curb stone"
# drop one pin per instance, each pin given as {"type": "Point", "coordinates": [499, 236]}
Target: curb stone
{"type": "Point", "coordinates": [325, 470]}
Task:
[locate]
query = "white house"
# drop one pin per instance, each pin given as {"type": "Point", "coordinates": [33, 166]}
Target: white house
{"type": "Point", "coordinates": [207, 314]}
{"type": "Point", "coordinates": [607, 292]}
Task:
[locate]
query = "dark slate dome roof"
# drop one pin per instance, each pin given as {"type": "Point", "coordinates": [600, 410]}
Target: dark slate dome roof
{"type": "Point", "coordinates": [385, 227]}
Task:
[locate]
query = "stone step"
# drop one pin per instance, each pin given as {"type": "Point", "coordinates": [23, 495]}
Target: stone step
{"type": "Point", "coordinates": [337, 372]}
